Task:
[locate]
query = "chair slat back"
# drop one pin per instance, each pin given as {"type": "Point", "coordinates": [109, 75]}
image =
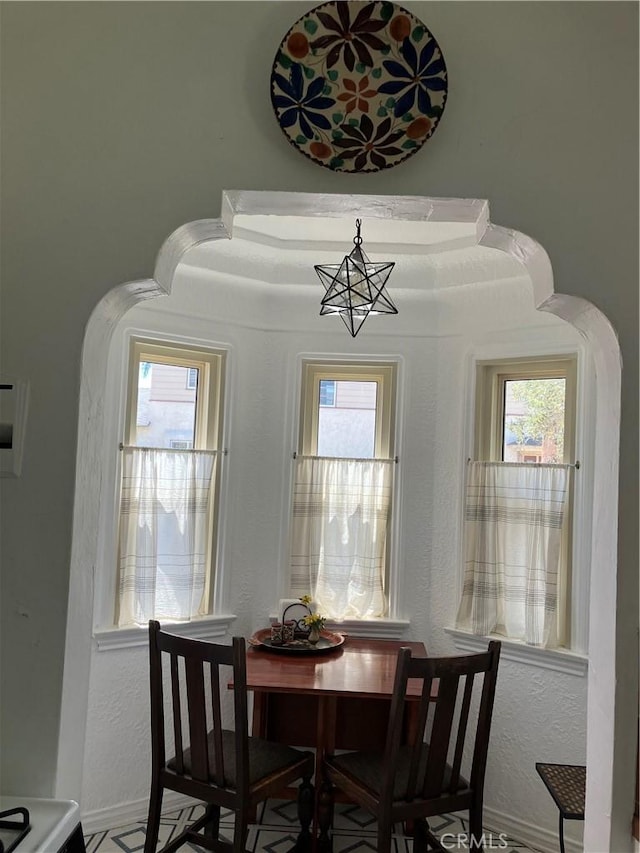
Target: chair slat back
{"type": "Point", "coordinates": [194, 670]}
{"type": "Point", "coordinates": [462, 733]}
{"type": "Point", "coordinates": [416, 755]}
{"type": "Point", "coordinates": [196, 704]}
{"type": "Point", "coordinates": [444, 734]}
{"type": "Point", "coordinates": [218, 769]}
{"type": "Point", "coordinates": [177, 712]}
{"type": "Point", "coordinates": [432, 782]}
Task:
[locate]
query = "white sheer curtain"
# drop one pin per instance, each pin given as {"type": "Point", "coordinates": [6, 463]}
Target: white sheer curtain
{"type": "Point", "coordinates": [514, 515]}
{"type": "Point", "coordinates": [164, 533]}
{"type": "Point", "coordinates": [341, 510]}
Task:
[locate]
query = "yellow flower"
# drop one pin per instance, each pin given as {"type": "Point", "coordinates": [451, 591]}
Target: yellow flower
{"type": "Point", "coordinates": [306, 599]}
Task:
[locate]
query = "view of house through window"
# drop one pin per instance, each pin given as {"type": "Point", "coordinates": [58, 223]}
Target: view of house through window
{"type": "Point", "coordinates": [347, 410]}
{"type": "Point", "coordinates": [347, 418]}
{"type": "Point", "coordinates": [166, 406]}
{"type": "Point", "coordinates": [170, 477]}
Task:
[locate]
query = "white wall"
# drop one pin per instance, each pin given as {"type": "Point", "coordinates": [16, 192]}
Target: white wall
{"type": "Point", "coordinates": [539, 714]}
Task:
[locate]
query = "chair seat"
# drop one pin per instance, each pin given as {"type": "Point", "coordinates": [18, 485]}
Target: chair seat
{"type": "Point", "coordinates": [265, 758]}
{"type": "Point", "coordinates": [368, 768]}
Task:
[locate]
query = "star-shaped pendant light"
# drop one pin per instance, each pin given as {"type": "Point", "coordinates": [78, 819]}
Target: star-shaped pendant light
{"type": "Point", "coordinates": [355, 288]}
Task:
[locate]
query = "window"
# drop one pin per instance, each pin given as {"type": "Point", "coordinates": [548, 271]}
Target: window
{"type": "Point", "coordinates": [170, 479]}
{"type": "Point", "coordinates": [192, 378]}
{"type": "Point", "coordinates": [362, 402]}
{"type": "Point", "coordinates": [518, 510]}
{"type": "Point", "coordinates": [327, 392]}
{"type": "Point", "coordinates": [343, 485]}
{"type": "Point", "coordinates": [525, 410]}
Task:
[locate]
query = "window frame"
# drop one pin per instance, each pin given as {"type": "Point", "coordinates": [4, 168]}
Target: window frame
{"type": "Point", "coordinates": [490, 378]}
{"type": "Point", "coordinates": [208, 431]}
{"type": "Point", "coordinates": [386, 372]}
{"type": "Point", "coordinates": [383, 373]}
{"type": "Point", "coordinates": [209, 393]}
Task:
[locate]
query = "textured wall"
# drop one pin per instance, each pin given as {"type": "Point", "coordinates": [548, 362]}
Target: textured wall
{"type": "Point", "coordinates": [539, 713]}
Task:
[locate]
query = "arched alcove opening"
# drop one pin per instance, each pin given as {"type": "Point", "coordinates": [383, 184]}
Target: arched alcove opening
{"type": "Point", "coordinates": [447, 254]}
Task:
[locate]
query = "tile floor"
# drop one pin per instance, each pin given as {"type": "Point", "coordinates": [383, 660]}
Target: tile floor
{"type": "Point", "coordinates": [354, 832]}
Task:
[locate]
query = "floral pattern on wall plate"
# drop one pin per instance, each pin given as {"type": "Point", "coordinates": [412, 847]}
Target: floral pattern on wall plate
{"type": "Point", "coordinates": [358, 86]}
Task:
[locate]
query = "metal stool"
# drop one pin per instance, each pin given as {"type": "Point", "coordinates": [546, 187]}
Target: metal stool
{"type": "Point", "coordinates": [566, 783]}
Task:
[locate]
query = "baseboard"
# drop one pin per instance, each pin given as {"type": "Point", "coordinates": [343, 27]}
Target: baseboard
{"type": "Point", "coordinates": [544, 840]}
{"type": "Point", "coordinates": [122, 814]}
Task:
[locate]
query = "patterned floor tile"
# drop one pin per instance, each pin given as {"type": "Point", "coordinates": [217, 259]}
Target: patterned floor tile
{"type": "Point", "coordinates": [126, 838]}
{"type": "Point", "coordinates": [271, 840]}
{"type": "Point", "coordinates": [278, 813]}
{"type": "Point", "coordinates": [276, 832]}
{"type": "Point", "coordinates": [352, 817]}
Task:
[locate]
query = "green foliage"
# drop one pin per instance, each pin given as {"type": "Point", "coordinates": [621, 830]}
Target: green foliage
{"type": "Point", "coordinates": [544, 401]}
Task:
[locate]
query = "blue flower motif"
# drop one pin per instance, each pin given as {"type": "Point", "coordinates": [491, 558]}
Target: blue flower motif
{"type": "Point", "coordinates": [300, 106]}
{"type": "Point", "coordinates": [420, 75]}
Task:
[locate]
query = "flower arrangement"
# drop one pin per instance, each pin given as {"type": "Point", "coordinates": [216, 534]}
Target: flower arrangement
{"type": "Point", "coordinates": [315, 620]}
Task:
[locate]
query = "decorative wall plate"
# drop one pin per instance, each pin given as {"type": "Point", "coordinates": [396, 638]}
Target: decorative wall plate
{"type": "Point", "coordinates": [358, 86]}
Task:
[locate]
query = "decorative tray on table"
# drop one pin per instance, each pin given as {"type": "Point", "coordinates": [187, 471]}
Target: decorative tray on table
{"type": "Point", "coordinates": [328, 641]}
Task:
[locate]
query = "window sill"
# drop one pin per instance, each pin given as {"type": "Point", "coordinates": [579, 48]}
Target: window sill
{"type": "Point", "coordinates": [387, 629]}
{"type": "Point", "coordinates": [560, 660]}
{"type": "Point", "coordinates": [205, 628]}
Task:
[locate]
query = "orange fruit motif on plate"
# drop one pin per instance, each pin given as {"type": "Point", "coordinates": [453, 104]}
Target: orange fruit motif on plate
{"type": "Point", "coordinates": [400, 27]}
{"type": "Point", "coordinates": [320, 150]}
{"type": "Point", "coordinates": [420, 127]}
{"type": "Point", "coordinates": [298, 45]}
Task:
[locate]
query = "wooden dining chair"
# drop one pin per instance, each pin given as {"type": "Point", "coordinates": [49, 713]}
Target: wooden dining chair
{"type": "Point", "coordinates": [194, 754]}
{"type": "Point", "coordinates": [425, 778]}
